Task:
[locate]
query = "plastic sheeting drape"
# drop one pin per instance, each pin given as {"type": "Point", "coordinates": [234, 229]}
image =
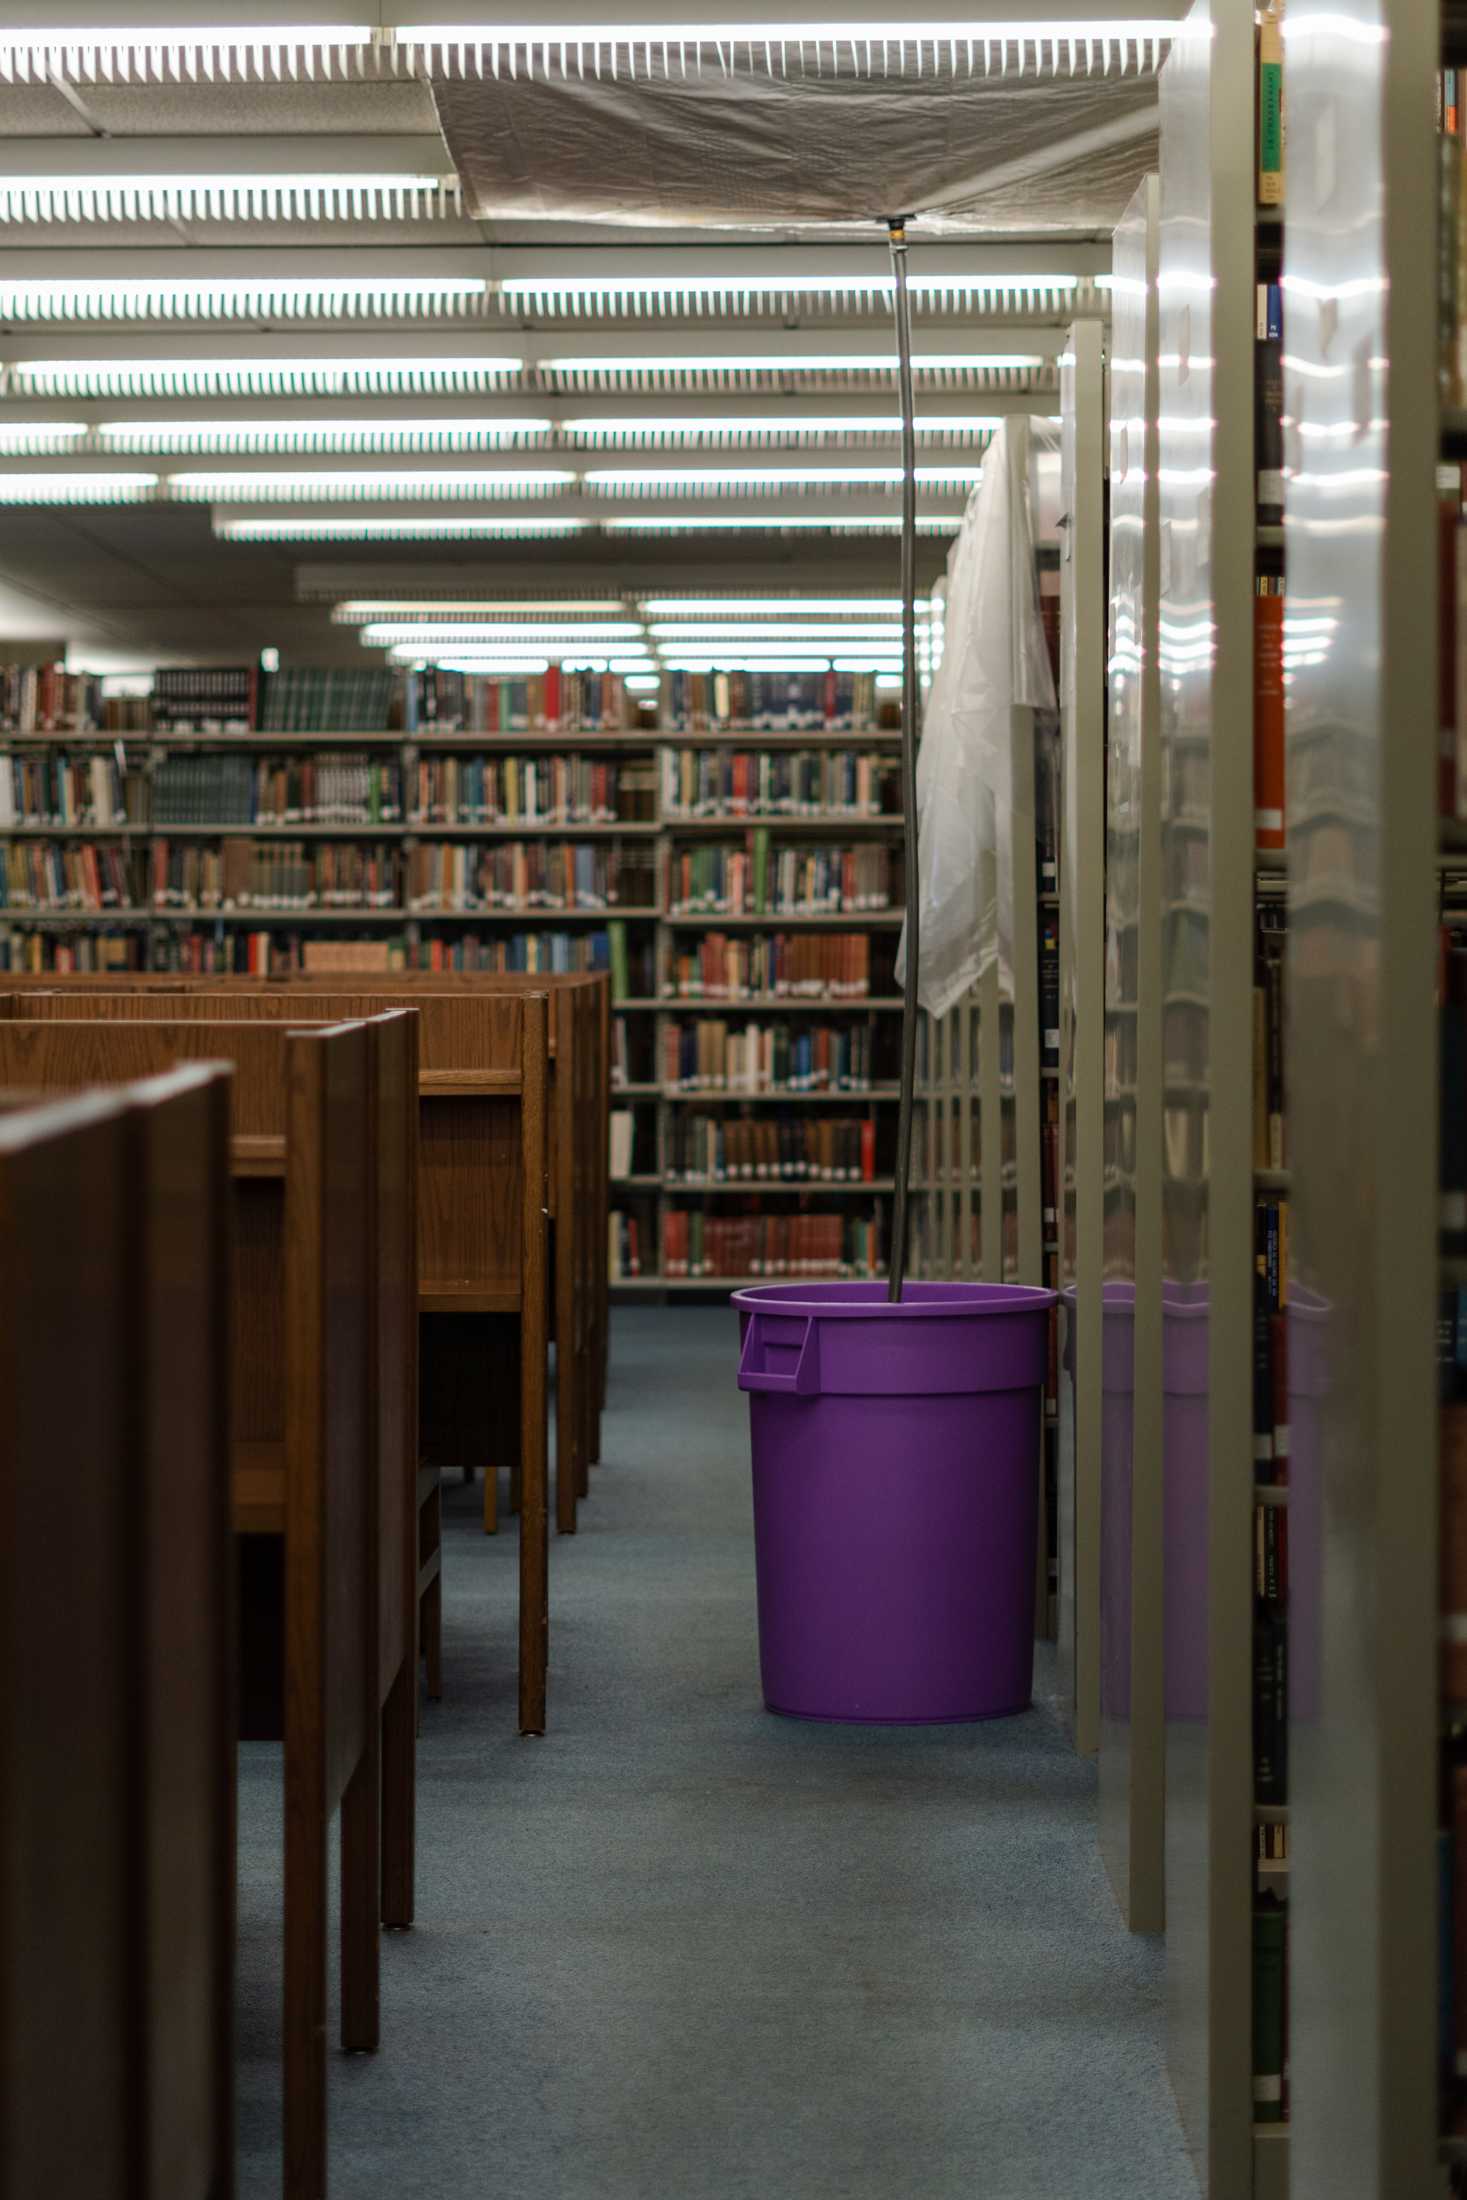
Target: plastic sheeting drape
{"type": "Point", "coordinates": [732, 146]}
{"type": "Point", "coordinates": [969, 803]}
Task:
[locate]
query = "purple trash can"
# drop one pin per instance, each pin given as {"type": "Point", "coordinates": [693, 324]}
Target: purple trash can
{"type": "Point", "coordinates": [896, 1489]}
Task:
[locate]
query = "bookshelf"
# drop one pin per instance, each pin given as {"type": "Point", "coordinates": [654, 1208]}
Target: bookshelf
{"type": "Point", "coordinates": [1376, 2093]}
{"type": "Point", "coordinates": [642, 937]}
{"type": "Point", "coordinates": [1192, 1096]}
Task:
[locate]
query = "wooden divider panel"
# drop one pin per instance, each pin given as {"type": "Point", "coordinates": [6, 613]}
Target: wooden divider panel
{"type": "Point", "coordinates": [116, 1739]}
{"type": "Point", "coordinates": [305, 1339]}
{"type": "Point", "coordinates": [482, 1170]}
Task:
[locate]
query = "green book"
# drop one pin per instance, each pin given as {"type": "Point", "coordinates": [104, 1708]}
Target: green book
{"type": "Point", "coordinates": [620, 988]}
{"type": "Point", "coordinates": [1270, 1945]}
{"type": "Point", "coordinates": [761, 868]}
{"type": "Point", "coordinates": [1270, 112]}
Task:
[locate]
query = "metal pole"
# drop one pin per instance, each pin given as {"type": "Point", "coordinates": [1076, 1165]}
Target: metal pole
{"type": "Point", "coordinates": [911, 704]}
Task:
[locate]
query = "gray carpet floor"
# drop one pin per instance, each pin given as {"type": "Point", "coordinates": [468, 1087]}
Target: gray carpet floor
{"type": "Point", "coordinates": [681, 1948]}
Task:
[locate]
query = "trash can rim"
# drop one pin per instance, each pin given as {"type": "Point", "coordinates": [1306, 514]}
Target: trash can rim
{"type": "Point", "coordinates": [835, 1300]}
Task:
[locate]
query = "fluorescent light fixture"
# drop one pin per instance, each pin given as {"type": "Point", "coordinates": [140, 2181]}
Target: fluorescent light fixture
{"type": "Point", "coordinates": [732, 661]}
{"type": "Point", "coordinates": [707, 607]}
{"type": "Point", "coordinates": [701, 631]}
{"type": "Point", "coordinates": [170, 52]}
{"type": "Point", "coordinates": [672, 523]}
{"type": "Point", "coordinates": [302, 195]}
{"type": "Point", "coordinates": [128, 298]}
{"type": "Point", "coordinates": [333, 487]}
{"type": "Point", "coordinates": [629, 480]}
{"type": "Point", "coordinates": [510, 666]}
{"type": "Point", "coordinates": [278, 43]}
{"type": "Point", "coordinates": [540, 637]}
{"type": "Point", "coordinates": [888, 680]}
{"type": "Point", "coordinates": [511, 662]}
{"type": "Point", "coordinates": [39, 438]}
{"type": "Point", "coordinates": [363, 434]}
{"type": "Point", "coordinates": [602, 289]}
{"type": "Point", "coordinates": [818, 653]}
{"type": "Point", "coordinates": [362, 610]}
{"type": "Point", "coordinates": [302, 375]}
{"type": "Point", "coordinates": [581, 366]}
{"type": "Point", "coordinates": [766, 427]}
{"type": "Point", "coordinates": [77, 488]}
{"type": "Point", "coordinates": [644, 683]}
{"type": "Point", "coordinates": [383, 527]}
{"type": "Point", "coordinates": [665, 52]}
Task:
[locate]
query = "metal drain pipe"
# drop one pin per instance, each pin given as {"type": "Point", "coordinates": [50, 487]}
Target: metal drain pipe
{"type": "Point", "coordinates": [911, 708]}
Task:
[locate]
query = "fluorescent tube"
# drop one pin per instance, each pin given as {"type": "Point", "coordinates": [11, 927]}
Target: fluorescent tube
{"type": "Point", "coordinates": [548, 636]}
{"type": "Point", "coordinates": [37, 438]}
{"type": "Point", "coordinates": [362, 610]}
{"type": "Point", "coordinates": [382, 527]}
{"type": "Point", "coordinates": [794, 362]}
{"type": "Point", "coordinates": [326, 375]}
{"type": "Point", "coordinates": [363, 434]}
{"type": "Point", "coordinates": [629, 480]}
{"type": "Point", "coordinates": [669, 523]}
{"type": "Point", "coordinates": [699, 632]}
{"type": "Point", "coordinates": [302, 195]}
{"type": "Point", "coordinates": [28, 488]}
{"type": "Point", "coordinates": [759, 427]}
{"type": "Point", "coordinates": [705, 607]}
{"type": "Point", "coordinates": [829, 278]}
{"type": "Point", "coordinates": [302, 487]}
{"type": "Point", "coordinates": [123, 298]}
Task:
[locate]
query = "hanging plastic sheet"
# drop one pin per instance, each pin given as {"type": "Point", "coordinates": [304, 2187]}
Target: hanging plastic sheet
{"type": "Point", "coordinates": [735, 139]}
{"type": "Point", "coordinates": [995, 661]}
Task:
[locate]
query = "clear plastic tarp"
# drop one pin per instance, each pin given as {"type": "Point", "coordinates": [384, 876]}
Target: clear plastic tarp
{"type": "Point", "coordinates": [797, 143]}
{"type": "Point", "coordinates": [995, 661]}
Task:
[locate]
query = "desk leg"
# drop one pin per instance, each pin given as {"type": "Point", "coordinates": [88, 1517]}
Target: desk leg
{"type": "Point", "coordinates": [399, 1795]}
{"type": "Point", "coordinates": [361, 1883]}
{"type": "Point", "coordinates": [305, 1981]}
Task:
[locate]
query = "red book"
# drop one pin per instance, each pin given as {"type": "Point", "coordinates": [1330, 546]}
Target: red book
{"type": "Point", "coordinates": [868, 1151]}
{"type": "Point", "coordinates": [1268, 718]}
{"type": "Point", "coordinates": [491, 705]}
{"type": "Point", "coordinates": [552, 698]}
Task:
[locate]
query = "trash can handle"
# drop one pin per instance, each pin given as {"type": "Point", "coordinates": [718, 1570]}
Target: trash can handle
{"type": "Point", "coordinates": [802, 1379]}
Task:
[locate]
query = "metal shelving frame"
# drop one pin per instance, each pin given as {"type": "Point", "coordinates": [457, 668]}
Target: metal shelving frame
{"type": "Point", "coordinates": [1132, 1741]}
{"type": "Point", "coordinates": [1209, 546]}
{"type": "Point", "coordinates": [1082, 1012]}
{"type": "Point", "coordinates": [1361, 393]}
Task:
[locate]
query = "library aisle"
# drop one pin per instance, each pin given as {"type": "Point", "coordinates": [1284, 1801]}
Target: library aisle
{"type": "Point", "coordinates": [683, 1947]}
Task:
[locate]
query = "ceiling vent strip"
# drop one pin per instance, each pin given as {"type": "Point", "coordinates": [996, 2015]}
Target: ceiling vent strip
{"type": "Point", "coordinates": [523, 301]}
{"type": "Point", "coordinates": [229, 198]}
{"type": "Point", "coordinates": [291, 53]}
{"type": "Point", "coordinates": [244, 298]}
{"type": "Point", "coordinates": [325, 376]}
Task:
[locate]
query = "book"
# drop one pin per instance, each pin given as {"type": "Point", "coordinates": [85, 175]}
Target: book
{"type": "Point", "coordinates": [1270, 1709]}
{"type": "Point", "coordinates": [1270, 105]}
{"type": "Point", "coordinates": [1268, 714]}
{"type": "Point", "coordinates": [1268, 405]}
{"type": "Point", "coordinates": [622, 1132]}
{"type": "Point", "coordinates": [1270, 1959]}
{"type": "Point", "coordinates": [1453, 1541]}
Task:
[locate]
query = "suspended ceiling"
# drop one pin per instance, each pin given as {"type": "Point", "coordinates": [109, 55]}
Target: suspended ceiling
{"type": "Point", "coordinates": [362, 305]}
